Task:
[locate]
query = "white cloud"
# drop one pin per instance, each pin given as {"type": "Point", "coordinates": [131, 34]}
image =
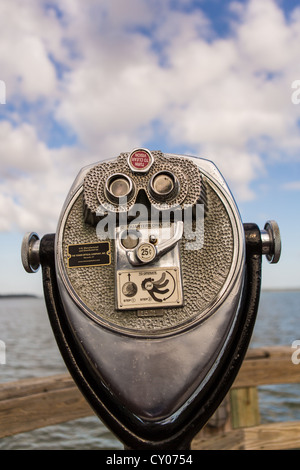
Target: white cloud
{"type": "Point", "coordinates": [21, 150]}
{"type": "Point", "coordinates": [28, 38]}
{"type": "Point", "coordinates": [291, 186]}
{"type": "Point", "coordinates": [34, 179]}
{"type": "Point", "coordinates": [267, 39]}
{"type": "Point", "coordinates": [108, 70]}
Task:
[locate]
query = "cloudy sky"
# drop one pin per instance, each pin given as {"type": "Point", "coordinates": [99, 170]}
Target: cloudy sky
{"type": "Point", "coordinates": [85, 81]}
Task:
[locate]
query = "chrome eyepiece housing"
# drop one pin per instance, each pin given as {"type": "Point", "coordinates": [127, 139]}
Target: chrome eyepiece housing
{"type": "Point", "coordinates": [119, 187]}
{"type": "Point", "coordinates": [164, 186]}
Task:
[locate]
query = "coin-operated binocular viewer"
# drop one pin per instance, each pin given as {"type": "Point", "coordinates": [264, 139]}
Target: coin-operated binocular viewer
{"type": "Point", "coordinates": [152, 286]}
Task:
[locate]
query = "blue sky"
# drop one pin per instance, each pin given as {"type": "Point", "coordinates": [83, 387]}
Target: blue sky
{"type": "Point", "coordinates": [88, 80]}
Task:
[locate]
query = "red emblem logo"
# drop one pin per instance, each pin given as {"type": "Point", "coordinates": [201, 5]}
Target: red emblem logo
{"type": "Point", "coordinates": [140, 160]}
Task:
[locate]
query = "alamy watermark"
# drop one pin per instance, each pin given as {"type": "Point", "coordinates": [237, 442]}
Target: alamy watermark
{"type": "Point", "coordinates": [192, 218]}
{"type": "Point", "coordinates": [2, 352]}
{"type": "Point", "coordinates": [2, 92]}
{"type": "Point", "coordinates": [295, 97]}
{"type": "Point", "coordinates": [296, 354]}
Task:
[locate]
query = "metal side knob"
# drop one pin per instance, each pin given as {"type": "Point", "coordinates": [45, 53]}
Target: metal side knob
{"type": "Point", "coordinates": [30, 252]}
{"type": "Point", "coordinates": [271, 241]}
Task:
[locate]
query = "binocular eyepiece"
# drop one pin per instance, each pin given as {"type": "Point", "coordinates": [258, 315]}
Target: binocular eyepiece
{"type": "Point", "coordinates": [152, 286]}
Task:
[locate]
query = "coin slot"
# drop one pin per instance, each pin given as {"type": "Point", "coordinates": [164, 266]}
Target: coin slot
{"type": "Point", "coordinates": [146, 252]}
{"type": "Point", "coordinates": [130, 239]}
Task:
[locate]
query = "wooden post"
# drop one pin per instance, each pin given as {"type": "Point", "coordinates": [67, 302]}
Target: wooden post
{"type": "Point", "coordinates": [244, 407]}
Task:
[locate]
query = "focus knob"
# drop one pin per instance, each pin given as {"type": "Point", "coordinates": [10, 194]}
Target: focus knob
{"type": "Point", "coordinates": [30, 252]}
{"type": "Point", "coordinates": [271, 241]}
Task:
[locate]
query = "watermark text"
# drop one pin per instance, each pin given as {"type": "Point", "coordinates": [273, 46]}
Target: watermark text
{"type": "Point", "coordinates": [2, 92]}
{"type": "Point", "coordinates": [2, 352]}
{"type": "Point", "coordinates": [192, 218]}
{"type": "Point", "coordinates": [295, 97]}
{"type": "Point", "coordinates": [296, 353]}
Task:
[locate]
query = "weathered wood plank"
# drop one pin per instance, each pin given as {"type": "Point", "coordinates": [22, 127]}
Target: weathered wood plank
{"type": "Point", "coordinates": [34, 385]}
{"type": "Point", "coordinates": [267, 366]}
{"type": "Point", "coordinates": [277, 436]}
{"type": "Point", "coordinates": [273, 436]}
{"type": "Point", "coordinates": [231, 440]}
{"type": "Point", "coordinates": [52, 404]}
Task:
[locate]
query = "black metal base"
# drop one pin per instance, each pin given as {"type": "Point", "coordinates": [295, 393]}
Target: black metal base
{"type": "Point", "coordinates": [136, 434]}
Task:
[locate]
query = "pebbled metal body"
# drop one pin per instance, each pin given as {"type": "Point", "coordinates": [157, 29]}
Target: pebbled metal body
{"type": "Point", "coordinates": [155, 360]}
{"type": "Point", "coordinates": [208, 273]}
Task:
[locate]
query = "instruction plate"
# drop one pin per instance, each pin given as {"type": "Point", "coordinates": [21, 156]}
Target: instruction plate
{"type": "Point", "coordinates": [149, 288]}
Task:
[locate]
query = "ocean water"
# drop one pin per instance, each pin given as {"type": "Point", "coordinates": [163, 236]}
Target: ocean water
{"type": "Point", "coordinates": [31, 351]}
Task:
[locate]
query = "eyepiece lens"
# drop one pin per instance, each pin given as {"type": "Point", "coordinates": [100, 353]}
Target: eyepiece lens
{"type": "Point", "coordinates": [163, 184]}
{"type": "Point", "coordinates": [119, 187]}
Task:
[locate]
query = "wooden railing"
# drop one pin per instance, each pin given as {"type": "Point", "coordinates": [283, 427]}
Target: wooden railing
{"type": "Point", "coordinates": [236, 425]}
{"type": "Point", "coordinates": [38, 402]}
